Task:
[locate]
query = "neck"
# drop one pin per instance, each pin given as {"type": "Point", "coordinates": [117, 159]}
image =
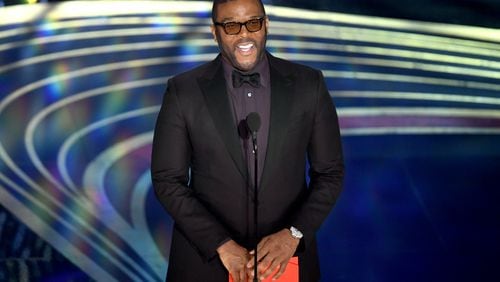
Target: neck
{"type": "Point", "coordinates": [256, 66]}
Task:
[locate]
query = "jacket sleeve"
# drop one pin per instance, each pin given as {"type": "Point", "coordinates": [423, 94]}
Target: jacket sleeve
{"type": "Point", "coordinates": [326, 164]}
{"type": "Point", "coordinates": [171, 155]}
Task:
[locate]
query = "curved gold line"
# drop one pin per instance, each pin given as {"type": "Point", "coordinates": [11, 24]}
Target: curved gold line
{"type": "Point", "coordinates": [150, 20]}
{"type": "Point", "coordinates": [392, 63]}
{"type": "Point", "coordinates": [412, 79]}
{"type": "Point", "coordinates": [417, 96]}
{"type": "Point", "coordinates": [368, 131]}
{"type": "Point", "coordinates": [79, 9]}
{"type": "Point", "coordinates": [419, 111]}
{"type": "Point", "coordinates": [418, 55]}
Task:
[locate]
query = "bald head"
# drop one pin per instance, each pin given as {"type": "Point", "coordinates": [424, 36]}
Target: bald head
{"type": "Point", "coordinates": [216, 3]}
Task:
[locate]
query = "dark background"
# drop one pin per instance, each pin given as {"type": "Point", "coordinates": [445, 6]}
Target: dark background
{"type": "Point", "coordinates": [472, 12]}
{"type": "Point", "coordinates": [456, 256]}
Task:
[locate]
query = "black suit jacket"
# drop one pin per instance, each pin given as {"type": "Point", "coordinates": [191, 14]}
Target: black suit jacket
{"type": "Point", "coordinates": [200, 177]}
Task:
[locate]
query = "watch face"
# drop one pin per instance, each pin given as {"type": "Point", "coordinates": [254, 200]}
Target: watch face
{"type": "Point", "coordinates": [296, 233]}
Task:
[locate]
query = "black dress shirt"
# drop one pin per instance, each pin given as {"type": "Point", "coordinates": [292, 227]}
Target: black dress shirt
{"type": "Point", "coordinates": [246, 99]}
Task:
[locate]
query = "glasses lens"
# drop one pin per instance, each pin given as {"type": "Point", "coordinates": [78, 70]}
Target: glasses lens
{"type": "Point", "coordinates": [254, 25]}
{"type": "Point", "coordinates": [232, 28]}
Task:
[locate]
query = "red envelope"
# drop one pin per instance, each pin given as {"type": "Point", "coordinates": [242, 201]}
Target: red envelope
{"type": "Point", "coordinates": [291, 273]}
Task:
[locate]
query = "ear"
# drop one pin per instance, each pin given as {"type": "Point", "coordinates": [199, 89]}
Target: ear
{"type": "Point", "coordinates": [267, 22]}
{"type": "Point", "coordinates": [212, 30]}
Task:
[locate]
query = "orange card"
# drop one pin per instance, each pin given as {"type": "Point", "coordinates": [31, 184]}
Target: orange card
{"type": "Point", "coordinates": [291, 273]}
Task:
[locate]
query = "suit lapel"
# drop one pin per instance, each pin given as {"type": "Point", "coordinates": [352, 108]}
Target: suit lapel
{"type": "Point", "coordinates": [281, 105]}
{"type": "Point", "coordinates": [213, 86]}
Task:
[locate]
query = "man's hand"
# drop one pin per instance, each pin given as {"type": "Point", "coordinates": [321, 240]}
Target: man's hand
{"type": "Point", "coordinates": [234, 257]}
{"type": "Point", "coordinates": [274, 252]}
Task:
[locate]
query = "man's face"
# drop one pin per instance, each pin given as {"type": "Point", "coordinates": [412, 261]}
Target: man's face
{"type": "Point", "coordinates": [245, 49]}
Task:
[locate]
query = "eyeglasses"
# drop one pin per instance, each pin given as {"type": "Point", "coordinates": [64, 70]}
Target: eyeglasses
{"type": "Point", "coordinates": [232, 28]}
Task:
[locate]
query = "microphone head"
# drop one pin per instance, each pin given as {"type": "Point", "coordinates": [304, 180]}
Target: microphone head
{"type": "Point", "coordinates": [253, 122]}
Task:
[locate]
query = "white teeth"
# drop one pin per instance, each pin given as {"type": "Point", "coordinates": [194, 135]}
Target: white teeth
{"type": "Point", "coordinates": [245, 47]}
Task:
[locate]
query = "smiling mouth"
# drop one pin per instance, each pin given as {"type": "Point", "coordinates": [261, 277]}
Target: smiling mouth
{"type": "Point", "coordinates": [246, 47]}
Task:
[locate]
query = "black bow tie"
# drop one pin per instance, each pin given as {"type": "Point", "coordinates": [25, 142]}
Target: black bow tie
{"type": "Point", "coordinates": [240, 78]}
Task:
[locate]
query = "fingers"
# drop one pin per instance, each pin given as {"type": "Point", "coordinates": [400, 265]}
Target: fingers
{"type": "Point", "coordinates": [273, 254]}
{"type": "Point", "coordinates": [242, 274]}
{"type": "Point", "coordinates": [234, 258]}
{"type": "Point", "coordinates": [269, 266]}
{"type": "Point", "coordinates": [280, 271]}
{"type": "Point", "coordinates": [239, 274]}
{"type": "Point", "coordinates": [263, 246]}
{"type": "Point", "coordinates": [261, 253]}
{"type": "Point", "coordinates": [266, 270]}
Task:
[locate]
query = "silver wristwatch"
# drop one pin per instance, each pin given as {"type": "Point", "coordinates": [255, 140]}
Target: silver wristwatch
{"type": "Point", "coordinates": [296, 233]}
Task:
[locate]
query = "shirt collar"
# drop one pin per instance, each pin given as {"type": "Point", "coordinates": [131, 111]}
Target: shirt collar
{"type": "Point", "coordinates": [262, 68]}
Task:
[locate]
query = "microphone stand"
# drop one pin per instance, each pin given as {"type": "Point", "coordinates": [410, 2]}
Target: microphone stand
{"type": "Point", "coordinates": [256, 201]}
{"type": "Point", "coordinates": [253, 124]}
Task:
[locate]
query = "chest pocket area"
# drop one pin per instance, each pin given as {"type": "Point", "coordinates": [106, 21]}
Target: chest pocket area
{"type": "Point", "coordinates": [300, 123]}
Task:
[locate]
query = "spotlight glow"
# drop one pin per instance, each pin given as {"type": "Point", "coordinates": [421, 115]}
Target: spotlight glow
{"type": "Point", "coordinates": [84, 81]}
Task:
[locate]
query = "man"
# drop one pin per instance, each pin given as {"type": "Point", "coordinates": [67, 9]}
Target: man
{"type": "Point", "coordinates": [202, 161]}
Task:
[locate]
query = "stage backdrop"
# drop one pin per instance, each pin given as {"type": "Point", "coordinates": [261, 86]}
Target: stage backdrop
{"type": "Point", "coordinates": [419, 107]}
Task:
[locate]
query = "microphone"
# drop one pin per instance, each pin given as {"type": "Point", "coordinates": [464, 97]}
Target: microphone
{"type": "Point", "coordinates": [253, 125]}
{"type": "Point", "coordinates": [253, 122]}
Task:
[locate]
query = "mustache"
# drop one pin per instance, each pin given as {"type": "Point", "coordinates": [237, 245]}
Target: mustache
{"type": "Point", "coordinates": [245, 41]}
